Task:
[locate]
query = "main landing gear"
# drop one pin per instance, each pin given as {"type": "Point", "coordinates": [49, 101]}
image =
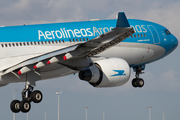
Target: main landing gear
{"type": "Point", "coordinates": [138, 82]}
{"type": "Point", "coordinates": [28, 95]}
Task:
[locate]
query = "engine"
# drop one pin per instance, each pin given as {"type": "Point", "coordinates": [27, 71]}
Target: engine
{"type": "Point", "coordinates": [107, 73]}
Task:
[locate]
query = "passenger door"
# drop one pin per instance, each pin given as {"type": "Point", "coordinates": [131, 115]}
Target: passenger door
{"type": "Point", "coordinates": [154, 34]}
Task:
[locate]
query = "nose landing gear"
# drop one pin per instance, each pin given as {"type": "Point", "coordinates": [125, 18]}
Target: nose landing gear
{"type": "Point", "coordinates": [28, 95]}
{"type": "Point", "coordinates": [138, 82]}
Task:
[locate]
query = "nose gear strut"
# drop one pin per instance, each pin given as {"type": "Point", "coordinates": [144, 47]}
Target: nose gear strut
{"type": "Point", "coordinates": [138, 82]}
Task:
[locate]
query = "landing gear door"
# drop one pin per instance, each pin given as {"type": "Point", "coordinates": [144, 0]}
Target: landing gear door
{"type": "Point", "coordinates": [154, 33]}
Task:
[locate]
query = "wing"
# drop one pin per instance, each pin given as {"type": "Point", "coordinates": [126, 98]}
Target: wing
{"type": "Point", "coordinates": [87, 49]}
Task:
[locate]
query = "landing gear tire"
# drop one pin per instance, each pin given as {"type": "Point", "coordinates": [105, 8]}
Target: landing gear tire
{"type": "Point", "coordinates": [28, 95]}
{"type": "Point", "coordinates": [137, 82]}
{"type": "Point", "coordinates": [25, 106]}
{"type": "Point", "coordinates": [36, 96]}
{"type": "Point", "coordinates": [140, 82]}
{"type": "Point", "coordinates": [134, 83]}
{"type": "Point", "coordinates": [15, 106]}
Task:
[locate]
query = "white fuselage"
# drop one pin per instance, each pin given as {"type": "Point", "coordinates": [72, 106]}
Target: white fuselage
{"type": "Point", "coordinates": [133, 53]}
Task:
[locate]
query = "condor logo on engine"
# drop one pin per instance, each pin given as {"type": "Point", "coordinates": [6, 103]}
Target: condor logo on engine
{"type": "Point", "coordinates": [119, 73]}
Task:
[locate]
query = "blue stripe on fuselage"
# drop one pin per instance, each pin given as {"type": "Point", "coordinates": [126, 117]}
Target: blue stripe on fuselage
{"type": "Point", "coordinates": [66, 31]}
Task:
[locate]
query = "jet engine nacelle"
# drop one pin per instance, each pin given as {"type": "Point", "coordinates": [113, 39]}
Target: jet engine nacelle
{"type": "Point", "coordinates": [107, 73]}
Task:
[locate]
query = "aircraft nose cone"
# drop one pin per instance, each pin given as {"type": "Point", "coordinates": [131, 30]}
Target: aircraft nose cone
{"type": "Point", "coordinates": [171, 44]}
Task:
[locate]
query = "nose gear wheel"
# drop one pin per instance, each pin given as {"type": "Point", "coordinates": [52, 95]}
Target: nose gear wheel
{"type": "Point", "coordinates": [138, 82]}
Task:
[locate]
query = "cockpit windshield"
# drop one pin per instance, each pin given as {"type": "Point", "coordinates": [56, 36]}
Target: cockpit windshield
{"type": "Point", "coordinates": [167, 32]}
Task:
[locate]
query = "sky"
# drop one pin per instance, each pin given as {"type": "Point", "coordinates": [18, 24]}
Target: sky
{"type": "Point", "coordinates": [162, 78]}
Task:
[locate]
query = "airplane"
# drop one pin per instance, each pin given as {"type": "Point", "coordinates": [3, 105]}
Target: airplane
{"type": "Point", "coordinates": [102, 52]}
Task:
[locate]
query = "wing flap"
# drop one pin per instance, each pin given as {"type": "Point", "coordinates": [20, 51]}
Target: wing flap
{"type": "Point", "coordinates": [43, 58]}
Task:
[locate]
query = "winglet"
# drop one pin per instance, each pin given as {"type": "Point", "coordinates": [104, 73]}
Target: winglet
{"type": "Point", "coordinates": [122, 20]}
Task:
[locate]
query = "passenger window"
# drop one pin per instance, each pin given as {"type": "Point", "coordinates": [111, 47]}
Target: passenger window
{"type": "Point", "coordinates": [24, 44]}
{"type": "Point", "coordinates": [27, 43]}
{"type": "Point", "coordinates": [42, 42]}
{"type": "Point", "coordinates": [80, 39]}
{"type": "Point", "coordinates": [16, 44]}
{"type": "Point", "coordinates": [20, 44]}
{"type": "Point", "coordinates": [13, 44]}
{"type": "Point", "coordinates": [141, 35]}
{"type": "Point", "coordinates": [135, 36]}
{"type": "Point", "coordinates": [2, 45]}
{"type": "Point", "coordinates": [59, 41]}
{"type": "Point", "coordinates": [31, 43]}
{"type": "Point", "coordinates": [144, 35]}
{"type": "Point", "coordinates": [138, 35]}
{"type": "Point", "coordinates": [45, 42]}
{"type": "Point", "coordinates": [87, 39]}
{"type": "Point", "coordinates": [131, 36]}
{"type": "Point", "coordinates": [63, 41]}
{"type": "Point", "coordinates": [9, 45]}
{"type": "Point", "coordinates": [56, 41]}
{"type": "Point", "coordinates": [70, 40]}
{"type": "Point", "coordinates": [52, 41]}
{"type": "Point", "coordinates": [84, 39]}
{"type": "Point", "coordinates": [49, 42]}
{"type": "Point", "coordinates": [6, 45]}
{"type": "Point", "coordinates": [73, 40]}
{"type": "Point", "coordinates": [77, 40]}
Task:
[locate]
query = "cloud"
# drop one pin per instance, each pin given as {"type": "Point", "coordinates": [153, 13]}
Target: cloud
{"type": "Point", "coordinates": [166, 81]}
{"type": "Point", "coordinates": [25, 11]}
{"type": "Point", "coordinates": [165, 14]}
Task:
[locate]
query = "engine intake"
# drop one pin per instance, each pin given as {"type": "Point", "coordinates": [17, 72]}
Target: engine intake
{"type": "Point", "coordinates": [85, 75]}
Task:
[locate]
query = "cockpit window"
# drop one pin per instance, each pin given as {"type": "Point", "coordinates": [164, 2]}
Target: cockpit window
{"type": "Point", "coordinates": [167, 32]}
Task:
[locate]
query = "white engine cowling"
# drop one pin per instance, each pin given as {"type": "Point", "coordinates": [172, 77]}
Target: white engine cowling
{"type": "Point", "coordinates": [107, 73]}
